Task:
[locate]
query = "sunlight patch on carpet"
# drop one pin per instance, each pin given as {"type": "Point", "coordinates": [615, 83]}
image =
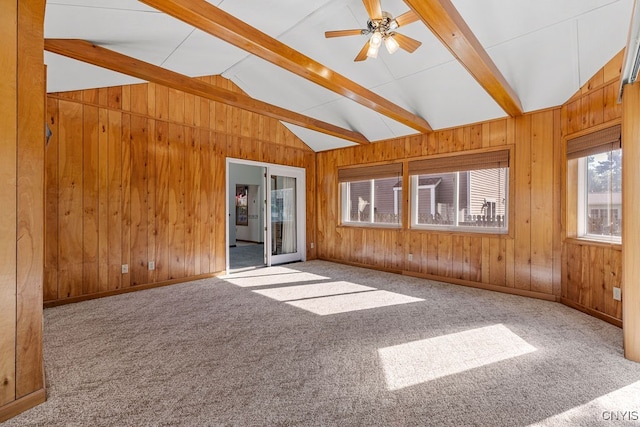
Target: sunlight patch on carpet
{"type": "Point", "coordinates": [316, 290]}
{"type": "Point", "coordinates": [425, 360]}
{"type": "Point", "coordinates": [616, 408]}
{"type": "Point", "coordinates": [273, 279]}
{"type": "Point", "coordinates": [352, 302]}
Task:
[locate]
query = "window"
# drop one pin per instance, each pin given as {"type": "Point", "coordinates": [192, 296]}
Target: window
{"type": "Point", "coordinates": [464, 192]}
{"type": "Point", "coordinates": [371, 195]}
{"type": "Point", "coordinates": [597, 157]}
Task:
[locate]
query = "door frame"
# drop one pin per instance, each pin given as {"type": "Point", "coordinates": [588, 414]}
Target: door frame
{"type": "Point", "coordinates": [301, 205]}
{"type": "Point", "coordinates": [299, 175]}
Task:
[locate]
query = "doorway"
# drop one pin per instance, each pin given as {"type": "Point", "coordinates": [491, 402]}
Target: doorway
{"type": "Point", "coordinates": [266, 214]}
{"type": "Point", "coordinates": [246, 191]}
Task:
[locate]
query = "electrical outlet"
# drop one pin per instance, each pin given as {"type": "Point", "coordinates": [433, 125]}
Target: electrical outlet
{"type": "Point", "coordinates": [151, 265]}
{"type": "Point", "coordinates": [125, 268]}
{"type": "Point", "coordinates": [617, 294]}
{"type": "Point", "coordinates": [311, 245]}
{"type": "Point", "coordinates": [410, 257]}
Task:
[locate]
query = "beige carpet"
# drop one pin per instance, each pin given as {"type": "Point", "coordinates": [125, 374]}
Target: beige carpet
{"type": "Point", "coordinates": [322, 344]}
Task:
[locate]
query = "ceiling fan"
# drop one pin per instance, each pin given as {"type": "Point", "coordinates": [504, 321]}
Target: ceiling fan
{"type": "Point", "coordinates": [381, 25]}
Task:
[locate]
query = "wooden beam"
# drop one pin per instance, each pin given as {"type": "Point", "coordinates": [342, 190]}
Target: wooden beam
{"type": "Point", "coordinates": [96, 55]}
{"type": "Point", "coordinates": [219, 23]}
{"type": "Point", "coordinates": [445, 22]}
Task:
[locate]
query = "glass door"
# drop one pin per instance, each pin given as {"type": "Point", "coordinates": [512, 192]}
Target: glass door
{"type": "Point", "coordinates": [285, 232]}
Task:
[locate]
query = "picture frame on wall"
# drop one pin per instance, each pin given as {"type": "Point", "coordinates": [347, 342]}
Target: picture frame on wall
{"type": "Point", "coordinates": [242, 213]}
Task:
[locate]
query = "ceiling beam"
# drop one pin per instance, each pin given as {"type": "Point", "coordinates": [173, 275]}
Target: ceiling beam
{"type": "Point", "coordinates": [445, 22]}
{"type": "Point", "coordinates": [221, 24]}
{"type": "Point", "coordinates": [87, 52]}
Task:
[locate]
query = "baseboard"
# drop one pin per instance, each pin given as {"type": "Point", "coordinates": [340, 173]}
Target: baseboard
{"type": "Point", "coordinates": [595, 313]}
{"type": "Point", "coordinates": [16, 407]}
{"type": "Point", "coordinates": [358, 264]}
{"type": "Point", "coordinates": [485, 286]}
{"type": "Point", "coordinates": [454, 281]}
{"type": "Point", "coordinates": [80, 298]}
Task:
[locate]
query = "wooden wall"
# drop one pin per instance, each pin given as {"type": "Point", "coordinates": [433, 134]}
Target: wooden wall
{"type": "Point", "coordinates": [21, 221]}
{"type": "Point", "coordinates": [536, 258]}
{"type": "Point", "coordinates": [136, 174]}
{"type": "Point", "coordinates": [631, 228]}
{"type": "Point", "coordinates": [526, 262]}
{"type": "Point", "coordinates": [591, 270]}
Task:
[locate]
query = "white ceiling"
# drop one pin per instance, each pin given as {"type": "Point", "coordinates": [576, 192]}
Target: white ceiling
{"type": "Point", "coordinates": [546, 50]}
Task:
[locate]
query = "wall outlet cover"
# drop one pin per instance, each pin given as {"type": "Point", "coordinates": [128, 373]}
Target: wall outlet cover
{"type": "Point", "coordinates": [617, 294]}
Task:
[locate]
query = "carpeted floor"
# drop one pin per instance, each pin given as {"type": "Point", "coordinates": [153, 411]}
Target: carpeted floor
{"type": "Point", "coordinates": [323, 344]}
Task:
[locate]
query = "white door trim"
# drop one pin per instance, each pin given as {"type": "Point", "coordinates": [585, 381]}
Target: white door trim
{"type": "Point", "coordinates": [301, 203]}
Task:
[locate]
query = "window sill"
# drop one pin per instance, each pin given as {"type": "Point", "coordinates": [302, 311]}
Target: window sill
{"type": "Point", "coordinates": [467, 231]}
{"type": "Point", "coordinates": [593, 242]}
{"type": "Point", "coordinates": [370, 225]}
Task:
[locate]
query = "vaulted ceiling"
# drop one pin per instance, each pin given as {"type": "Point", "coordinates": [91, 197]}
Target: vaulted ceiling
{"type": "Point", "coordinates": [479, 60]}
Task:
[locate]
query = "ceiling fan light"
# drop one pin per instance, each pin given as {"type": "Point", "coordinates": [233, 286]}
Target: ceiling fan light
{"type": "Point", "coordinates": [372, 52]}
{"type": "Point", "coordinates": [376, 39]}
{"type": "Point", "coordinates": [391, 44]}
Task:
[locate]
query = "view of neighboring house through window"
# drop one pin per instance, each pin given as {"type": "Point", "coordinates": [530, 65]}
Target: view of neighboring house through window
{"type": "Point", "coordinates": [371, 195]}
{"type": "Point", "coordinates": [464, 192]}
{"type": "Point", "coordinates": [599, 184]}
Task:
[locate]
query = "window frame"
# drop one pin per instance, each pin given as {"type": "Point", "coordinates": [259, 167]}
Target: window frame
{"type": "Point", "coordinates": [507, 230]}
{"type": "Point", "coordinates": [455, 227]}
{"type": "Point", "coordinates": [575, 190]}
{"type": "Point", "coordinates": [372, 173]}
{"type": "Point", "coordinates": [583, 211]}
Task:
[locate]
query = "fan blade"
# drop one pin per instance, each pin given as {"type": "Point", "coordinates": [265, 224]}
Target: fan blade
{"type": "Point", "coordinates": [407, 18]}
{"type": "Point", "coordinates": [373, 8]}
{"type": "Point", "coordinates": [342, 33]}
{"type": "Point", "coordinates": [362, 55]}
{"type": "Point", "coordinates": [407, 43]}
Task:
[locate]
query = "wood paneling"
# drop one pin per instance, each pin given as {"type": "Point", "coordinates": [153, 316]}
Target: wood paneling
{"type": "Point", "coordinates": [630, 226]}
{"type": "Point", "coordinates": [521, 261]}
{"type": "Point", "coordinates": [31, 84]}
{"type": "Point", "coordinates": [542, 209]}
{"type": "Point", "coordinates": [90, 202]}
{"type": "Point", "coordinates": [589, 275]}
{"type": "Point", "coordinates": [126, 194]}
{"type": "Point", "coordinates": [70, 215]}
{"type": "Point", "coordinates": [114, 199]}
{"type": "Point", "coordinates": [22, 166]}
{"type": "Point", "coordinates": [140, 176]}
{"type": "Point", "coordinates": [8, 173]}
{"type": "Point", "coordinates": [176, 202]}
{"type": "Point", "coordinates": [50, 290]}
{"type": "Point", "coordinates": [590, 270]}
{"type": "Point", "coordinates": [103, 201]}
{"type": "Point", "coordinates": [120, 97]}
{"type": "Point", "coordinates": [522, 226]}
{"type": "Point", "coordinates": [139, 203]}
